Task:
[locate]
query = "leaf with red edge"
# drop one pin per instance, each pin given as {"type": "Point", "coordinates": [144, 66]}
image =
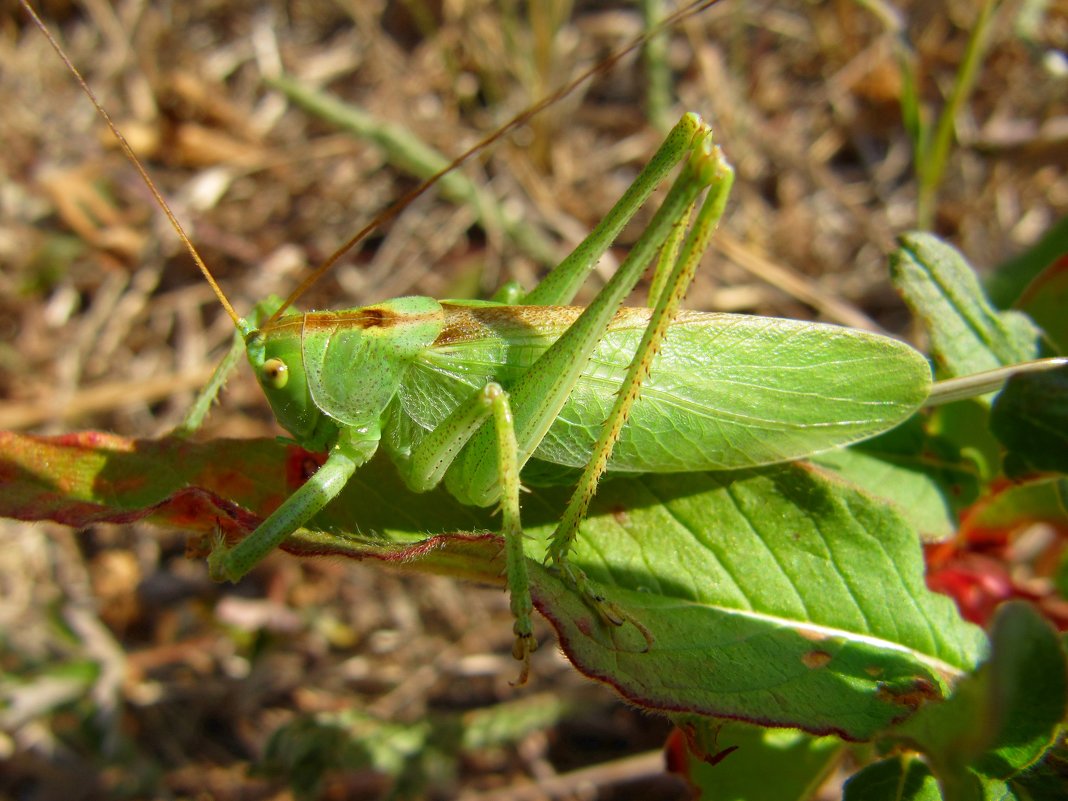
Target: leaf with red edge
{"type": "Point", "coordinates": [720, 759]}
{"type": "Point", "coordinates": [1045, 300]}
{"type": "Point", "coordinates": [91, 477]}
{"type": "Point", "coordinates": [777, 596]}
{"type": "Point", "coordinates": [982, 567]}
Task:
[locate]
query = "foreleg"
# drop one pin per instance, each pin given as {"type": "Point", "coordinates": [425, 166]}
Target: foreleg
{"type": "Point", "coordinates": [230, 564]}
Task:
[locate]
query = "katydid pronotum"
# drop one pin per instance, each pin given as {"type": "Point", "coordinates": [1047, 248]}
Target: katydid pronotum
{"type": "Point", "coordinates": [468, 392]}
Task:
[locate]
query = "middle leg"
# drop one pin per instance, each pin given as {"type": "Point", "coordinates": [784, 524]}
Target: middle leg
{"type": "Point", "coordinates": [432, 458]}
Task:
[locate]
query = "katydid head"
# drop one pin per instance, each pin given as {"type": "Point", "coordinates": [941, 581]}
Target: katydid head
{"type": "Point", "coordinates": [274, 352]}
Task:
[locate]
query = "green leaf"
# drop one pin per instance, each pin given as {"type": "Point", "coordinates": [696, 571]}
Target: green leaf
{"type": "Point", "coordinates": [1030, 417]}
{"type": "Point", "coordinates": [1046, 779]}
{"type": "Point", "coordinates": [1001, 720]}
{"type": "Point", "coordinates": [1046, 298]}
{"type": "Point", "coordinates": [1028, 690]}
{"type": "Point", "coordinates": [902, 778]}
{"type": "Point", "coordinates": [775, 591]}
{"type": "Point", "coordinates": [908, 778]}
{"type": "Point", "coordinates": [416, 755]}
{"type": "Point", "coordinates": [966, 424]}
{"type": "Point", "coordinates": [1006, 286]}
{"type": "Point", "coordinates": [774, 596]}
{"type": "Point", "coordinates": [924, 476]}
{"type": "Point", "coordinates": [1009, 506]}
{"type": "Point", "coordinates": [758, 764]}
{"type": "Point", "coordinates": [967, 334]}
{"type": "Point", "coordinates": [307, 749]}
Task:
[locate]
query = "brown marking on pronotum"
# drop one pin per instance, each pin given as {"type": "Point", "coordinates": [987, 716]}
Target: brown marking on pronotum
{"type": "Point", "coordinates": [473, 323]}
{"type": "Point", "coordinates": [367, 318]}
{"type": "Point", "coordinates": [373, 317]}
{"type": "Point", "coordinates": [461, 325]}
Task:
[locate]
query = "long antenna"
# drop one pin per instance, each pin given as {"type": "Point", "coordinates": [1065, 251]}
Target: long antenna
{"type": "Point", "coordinates": [137, 164]}
{"type": "Point", "coordinates": [395, 208]}
{"type": "Point", "coordinates": [401, 203]}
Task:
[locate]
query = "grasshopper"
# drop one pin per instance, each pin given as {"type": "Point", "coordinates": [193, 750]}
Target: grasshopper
{"type": "Point", "coordinates": [472, 393]}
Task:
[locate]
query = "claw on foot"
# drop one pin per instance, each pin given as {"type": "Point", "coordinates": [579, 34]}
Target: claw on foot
{"type": "Point", "coordinates": [522, 648]}
{"type": "Point", "coordinates": [608, 612]}
{"type": "Point", "coordinates": [218, 568]}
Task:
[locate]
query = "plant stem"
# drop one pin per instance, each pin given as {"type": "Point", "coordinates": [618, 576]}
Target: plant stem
{"type": "Point", "coordinates": [931, 162]}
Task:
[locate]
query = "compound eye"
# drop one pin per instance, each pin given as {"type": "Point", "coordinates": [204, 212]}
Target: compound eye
{"type": "Point", "coordinates": [276, 373]}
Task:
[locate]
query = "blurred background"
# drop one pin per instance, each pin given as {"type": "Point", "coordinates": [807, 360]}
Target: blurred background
{"type": "Point", "coordinates": [126, 672]}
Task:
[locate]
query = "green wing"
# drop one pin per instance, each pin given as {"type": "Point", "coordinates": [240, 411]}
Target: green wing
{"type": "Point", "coordinates": [733, 391]}
{"type": "Point", "coordinates": [726, 391]}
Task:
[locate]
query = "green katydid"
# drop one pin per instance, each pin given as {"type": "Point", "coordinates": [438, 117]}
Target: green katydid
{"type": "Point", "coordinates": [468, 393]}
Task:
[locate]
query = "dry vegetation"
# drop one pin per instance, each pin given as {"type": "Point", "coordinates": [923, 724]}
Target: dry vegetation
{"type": "Point", "coordinates": [127, 673]}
